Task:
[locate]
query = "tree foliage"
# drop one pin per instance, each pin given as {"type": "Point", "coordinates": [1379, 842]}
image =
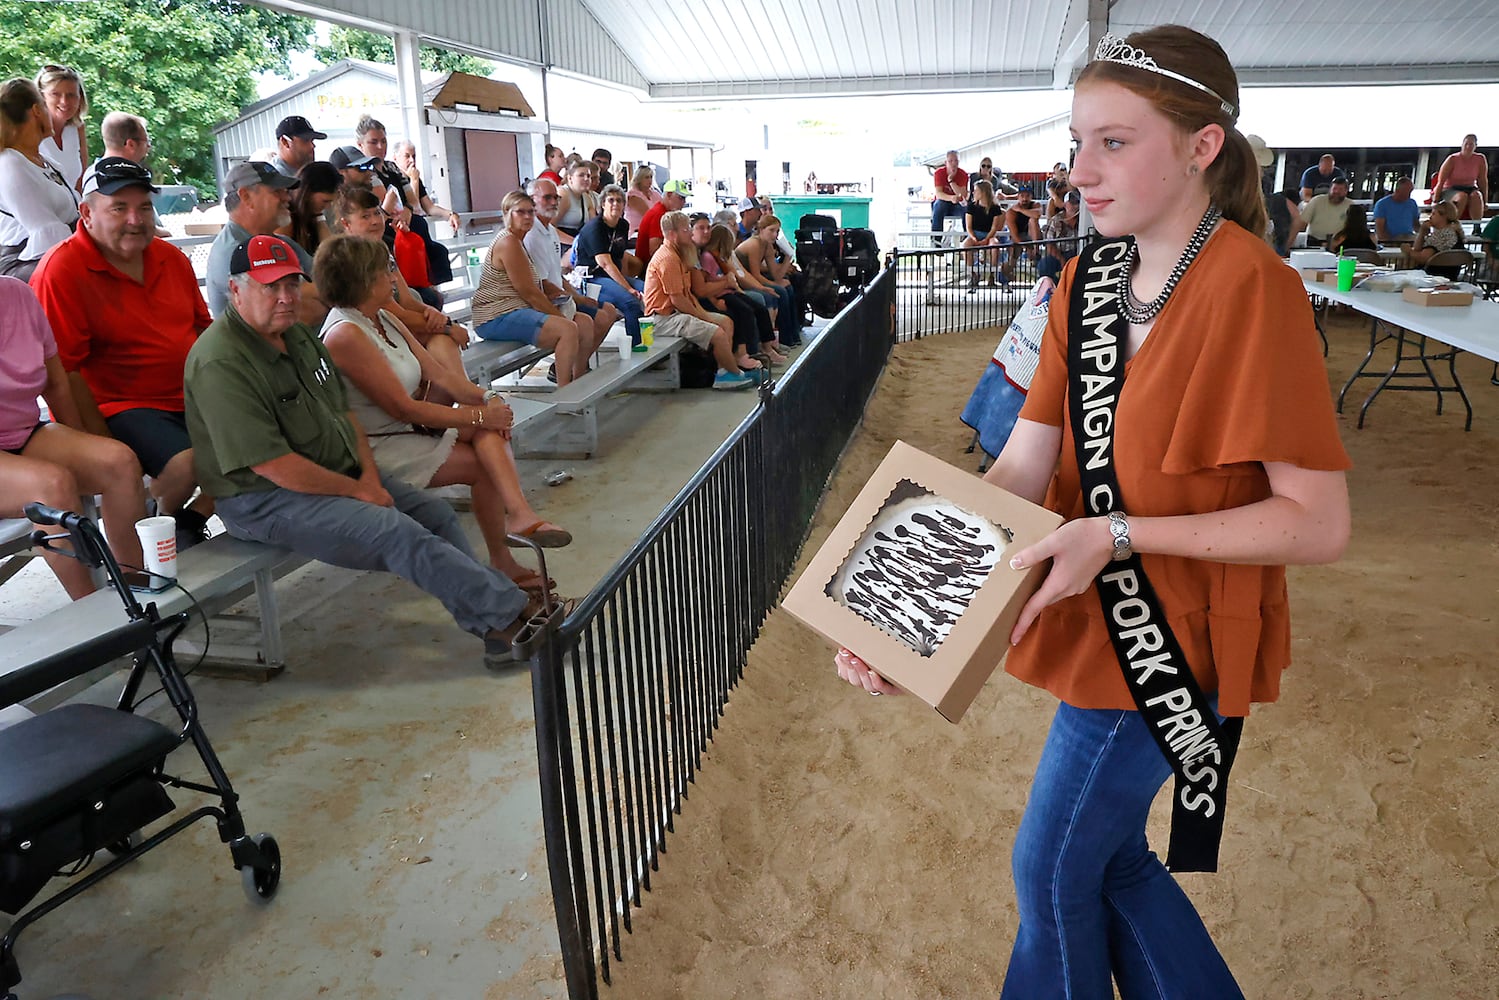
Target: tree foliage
{"type": "Point", "coordinates": [352, 43]}
{"type": "Point", "coordinates": [183, 65]}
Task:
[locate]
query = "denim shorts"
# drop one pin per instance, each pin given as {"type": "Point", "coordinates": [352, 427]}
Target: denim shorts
{"type": "Point", "coordinates": [521, 325]}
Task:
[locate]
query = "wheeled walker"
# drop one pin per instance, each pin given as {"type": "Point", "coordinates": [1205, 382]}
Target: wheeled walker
{"type": "Point", "coordinates": [81, 779]}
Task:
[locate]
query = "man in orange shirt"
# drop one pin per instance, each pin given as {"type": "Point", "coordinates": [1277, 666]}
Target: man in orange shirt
{"type": "Point", "coordinates": [669, 300]}
{"type": "Point", "coordinates": [126, 309]}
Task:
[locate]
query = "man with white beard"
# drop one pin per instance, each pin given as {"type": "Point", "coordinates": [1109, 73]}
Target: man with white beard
{"type": "Point", "coordinates": [257, 197]}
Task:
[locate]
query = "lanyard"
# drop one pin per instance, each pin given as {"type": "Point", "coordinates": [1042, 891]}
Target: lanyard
{"type": "Point", "coordinates": [1199, 748]}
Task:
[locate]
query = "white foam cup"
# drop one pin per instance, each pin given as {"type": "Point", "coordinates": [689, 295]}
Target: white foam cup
{"type": "Point", "coordinates": [158, 537]}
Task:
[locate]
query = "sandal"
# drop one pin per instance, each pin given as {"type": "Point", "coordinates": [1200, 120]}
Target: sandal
{"type": "Point", "coordinates": [543, 533]}
{"type": "Point", "coordinates": [532, 583]}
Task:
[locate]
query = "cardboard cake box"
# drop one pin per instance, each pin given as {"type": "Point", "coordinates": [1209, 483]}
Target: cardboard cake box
{"type": "Point", "coordinates": [916, 577]}
{"type": "Point", "coordinates": [1437, 296]}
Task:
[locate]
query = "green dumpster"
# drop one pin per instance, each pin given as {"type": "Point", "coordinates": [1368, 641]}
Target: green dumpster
{"type": "Point", "coordinates": [851, 210]}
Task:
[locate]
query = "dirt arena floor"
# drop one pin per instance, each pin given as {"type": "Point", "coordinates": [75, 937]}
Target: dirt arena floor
{"type": "Point", "coordinates": [837, 845]}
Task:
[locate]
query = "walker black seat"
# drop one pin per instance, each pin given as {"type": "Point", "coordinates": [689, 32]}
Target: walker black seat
{"type": "Point", "coordinates": [62, 758]}
{"type": "Point", "coordinates": [20, 683]}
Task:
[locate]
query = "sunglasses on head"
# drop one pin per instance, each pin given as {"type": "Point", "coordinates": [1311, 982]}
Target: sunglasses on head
{"type": "Point", "coordinates": [125, 171]}
{"type": "Point", "coordinates": [698, 217]}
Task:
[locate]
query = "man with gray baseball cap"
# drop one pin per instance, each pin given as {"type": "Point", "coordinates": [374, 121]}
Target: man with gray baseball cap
{"type": "Point", "coordinates": [257, 198]}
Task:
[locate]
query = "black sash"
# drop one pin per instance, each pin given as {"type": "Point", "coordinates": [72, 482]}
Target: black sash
{"type": "Point", "coordinates": [1199, 748]}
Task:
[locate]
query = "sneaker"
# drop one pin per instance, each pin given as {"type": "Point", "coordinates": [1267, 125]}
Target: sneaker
{"type": "Point", "coordinates": [973, 282]}
{"type": "Point", "coordinates": [552, 373]}
{"type": "Point", "coordinates": [732, 380]}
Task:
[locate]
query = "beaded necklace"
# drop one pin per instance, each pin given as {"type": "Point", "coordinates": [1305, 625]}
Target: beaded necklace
{"type": "Point", "coordinates": [1139, 313]}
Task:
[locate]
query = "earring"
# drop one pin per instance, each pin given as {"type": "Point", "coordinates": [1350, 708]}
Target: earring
{"type": "Point", "coordinates": [1192, 171]}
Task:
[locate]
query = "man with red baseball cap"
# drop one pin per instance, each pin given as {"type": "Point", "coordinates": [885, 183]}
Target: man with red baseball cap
{"type": "Point", "coordinates": [275, 442]}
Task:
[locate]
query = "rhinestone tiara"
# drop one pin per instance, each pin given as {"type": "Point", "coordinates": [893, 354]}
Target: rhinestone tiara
{"type": "Point", "coordinates": [1114, 49]}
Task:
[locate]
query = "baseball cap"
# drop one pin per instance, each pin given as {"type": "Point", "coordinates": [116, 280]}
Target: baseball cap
{"type": "Point", "coordinates": [298, 127]}
{"type": "Point", "coordinates": [345, 157]}
{"type": "Point", "coordinates": [112, 173]}
{"type": "Point", "coordinates": [253, 172]}
{"type": "Point", "coordinates": [677, 187]}
{"type": "Point", "coordinates": [748, 204]}
{"type": "Point", "coordinates": [266, 259]}
{"type": "Point", "coordinates": [1262, 154]}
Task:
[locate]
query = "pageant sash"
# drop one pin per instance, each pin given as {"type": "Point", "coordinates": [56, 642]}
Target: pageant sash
{"type": "Point", "coordinates": [1199, 748]}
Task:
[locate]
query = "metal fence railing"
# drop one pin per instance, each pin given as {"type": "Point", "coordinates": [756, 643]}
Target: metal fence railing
{"type": "Point", "coordinates": [934, 291]}
{"type": "Point", "coordinates": [630, 688]}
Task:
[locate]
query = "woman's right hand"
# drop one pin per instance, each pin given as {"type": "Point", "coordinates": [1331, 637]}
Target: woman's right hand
{"type": "Point", "coordinates": [857, 673]}
{"type": "Point", "coordinates": [498, 416]}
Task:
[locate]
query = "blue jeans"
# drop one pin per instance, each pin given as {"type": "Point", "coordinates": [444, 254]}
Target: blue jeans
{"type": "Point", "coordinates": [628, 305]}
{"type": "Point", "coordinates": [1096, 905]}
{"type": "Point", "coordinates": [943, 210]}
{"type": "Point", "coordinates": [418, 539]}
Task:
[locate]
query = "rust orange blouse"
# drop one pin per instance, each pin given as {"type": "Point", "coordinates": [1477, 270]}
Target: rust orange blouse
{"type": "Point", "coordinates": [1231, 376]}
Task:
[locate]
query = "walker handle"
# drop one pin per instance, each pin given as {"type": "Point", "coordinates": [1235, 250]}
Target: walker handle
{"type": "Point", "coordinates": [40, 513]}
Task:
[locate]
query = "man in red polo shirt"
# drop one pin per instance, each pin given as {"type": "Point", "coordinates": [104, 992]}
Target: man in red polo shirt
{"type": "Point", "coordinates": [126, 309]}
{"type": "Point", "coordinates": [649, 239]}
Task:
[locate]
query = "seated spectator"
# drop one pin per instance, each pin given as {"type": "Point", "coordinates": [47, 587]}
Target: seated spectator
{"type": "Point", "coordinates": [719, 258]}
{"type": "Point", "coordinates": [577, 205]}
{"type": "Point", "coordinates": [1320, 177]}
{"type": "Point", "coordinates": [258, 200]}
{"type": "Point", "coordinates": [360, 214]}
{"type": "Point", "coordinates": [1397, 214]}
{"type": "Point", "coordinates": [669, 299]}
{"type": "Point", "coordinates": [950, 187]}
{"type": "Point", "coordinates": [544, 247]}
{"type": "Point", "coordinates": [66, 143]}
{"type": "Point", "coordinates": [984, 223]}
{"type": "Point", "coordinates": [749, 215]}
{"type": "Point", "coordinates": [405, 215]}
{"type": "Point", "coordinates": [1324, 215]}
{"type": "Point", "coordinates": [358, 169]}
{"type": "Point", "coordinates": [1355, 233]}
{"type": "Point", "coordinates": [600, 247]}
{"type": "Point", "coordinates": [1062, 227]}
{"type": "Point", "coordinates": [556, 160]}
{"type": "Point", "coordinates": [317, 186]}
{"type": "Point", "coordinates": [986, 172]}
{"type": "Point", "coordinates": [766, 265]}
{"type": "Point", "coordinates": [641, 196]}
{"type": "Point", "coordinates": [602, 159]}
{"type": "Point", "coordinates": [274, 440]}
{"type": "Point", "coordinates": [648, 237]}
{"type": "Point", "coordinates": [38, 205]}
{"type": "Point", "coordinates": [57, 462]}
{"type": "Point", "coordinates": [1022, 218]}
{"type": "Point", "coordinates": [425, 206]}
{"type": "Point", "coordinates": [1464, 180]}
{"type": "Point", "coordinates": [125, 309]}
{"type": "Point", "coordinates": [126, 137]}
{"type": "Point", "coordinates": [718, 293]}
{"type": "Point", "coordinates": [403, 399]}
{"type": "Point", "coordinates": [296, 145]}
{"type": "Point", "coordinates": [1058, 186]}
{"type": "Point", "coordinates": [510, 305]}
{"type": "Point", "coordinates": [1441, 232]}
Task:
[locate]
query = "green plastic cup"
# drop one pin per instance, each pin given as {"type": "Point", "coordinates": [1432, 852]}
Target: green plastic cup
{"type": "Point", "coordinates": [1346, 268]}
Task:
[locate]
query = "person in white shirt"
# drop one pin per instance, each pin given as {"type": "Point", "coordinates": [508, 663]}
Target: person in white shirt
{"type": "Point", "coordinates": [38, 207]}
{"type": "Point", "coordinates": [66, 143]}
{"type": "Point", "coordinates": [544, 246]}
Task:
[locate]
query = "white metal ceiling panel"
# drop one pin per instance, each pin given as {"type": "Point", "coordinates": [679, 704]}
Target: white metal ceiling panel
{"type": "Point", "coordinates": [687, 49]}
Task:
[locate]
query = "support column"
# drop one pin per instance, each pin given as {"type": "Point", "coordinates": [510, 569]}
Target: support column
{"type": "Point", "coordinates": [409, 94]}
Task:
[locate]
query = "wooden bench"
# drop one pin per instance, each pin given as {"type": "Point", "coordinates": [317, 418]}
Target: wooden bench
{"type": "Point", "coordinates": [572, 428]}
{"type": "Point", "coordinates": [220, 573]}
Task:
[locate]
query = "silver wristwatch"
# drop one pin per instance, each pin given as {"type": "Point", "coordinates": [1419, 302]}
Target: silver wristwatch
{"type": "Point", "coordinates": [491, 394]}
{"type": "Point", "coordinates": [1119, 528]}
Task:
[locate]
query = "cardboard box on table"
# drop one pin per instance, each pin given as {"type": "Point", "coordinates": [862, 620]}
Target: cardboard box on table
{"type": "Point", "coordinates": [916, 568]}
{"type": "Point", "coordinates": [1437, 296]}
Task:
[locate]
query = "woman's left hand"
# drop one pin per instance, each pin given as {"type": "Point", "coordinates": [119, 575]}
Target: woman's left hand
{"type": "Point", "coordinates": [1078, 551]}
{"type": "Point", "coordinates": [433, 320]}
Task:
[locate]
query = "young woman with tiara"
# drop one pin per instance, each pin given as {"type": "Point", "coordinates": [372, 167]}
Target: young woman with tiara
{"type": "Point", "coordinates": [1180, 419]}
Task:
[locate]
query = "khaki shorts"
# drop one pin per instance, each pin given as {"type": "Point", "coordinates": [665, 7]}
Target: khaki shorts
{"type": "Point", "coordinates": [698, 332]}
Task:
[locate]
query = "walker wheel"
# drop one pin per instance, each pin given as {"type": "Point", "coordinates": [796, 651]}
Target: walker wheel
{"type": "Point", "coordinates": [124, 845]}
{"type": "Point", "coordinates": [261, 880]}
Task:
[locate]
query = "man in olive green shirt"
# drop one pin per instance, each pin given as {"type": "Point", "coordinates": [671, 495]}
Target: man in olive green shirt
{"type": "Point", "coordinates": [274, 441]}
